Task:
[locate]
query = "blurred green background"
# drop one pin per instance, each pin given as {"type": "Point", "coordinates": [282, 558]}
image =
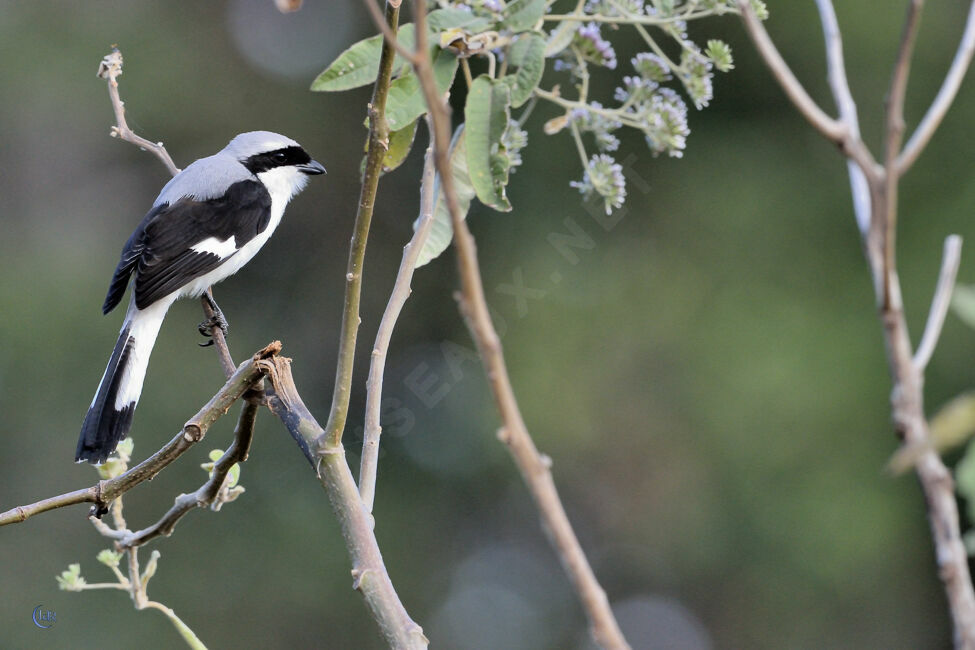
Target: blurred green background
{"type": "Point", "coordinates": [708, 376]}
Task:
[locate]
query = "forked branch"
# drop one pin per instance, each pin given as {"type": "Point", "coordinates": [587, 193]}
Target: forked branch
{"type": "Point", "coordinates": [104, 492]}
{"type": "Point", "coordinates": [877, 192]}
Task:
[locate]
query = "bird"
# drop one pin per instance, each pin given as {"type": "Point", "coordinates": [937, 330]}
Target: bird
{"type": "Point", "coordinates": [207, 222]}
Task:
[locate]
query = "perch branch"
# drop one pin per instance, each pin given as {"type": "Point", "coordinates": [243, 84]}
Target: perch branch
{"type": "Point", "coordinates": [533, 466]}
{"type": "Point", "coordinates": [219, 340]}
{"type": "Point", "coordinates": [109, 69]}
{"type": "Point", "coordinates": [104, 492]}
{"type": "Point", "coordinates": [401, 293]}
{"type": "Point", "coordinates": [378, 145]}
{"type": "Point", "coordinates": [943, 100]}
{"type": "Point", "coordinates": [950, 260]}
{"type": "Point", "coordinates": [369, 575]}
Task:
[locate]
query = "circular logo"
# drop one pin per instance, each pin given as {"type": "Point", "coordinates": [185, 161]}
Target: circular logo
{"type": "Point", "coordinates": [42, 618]}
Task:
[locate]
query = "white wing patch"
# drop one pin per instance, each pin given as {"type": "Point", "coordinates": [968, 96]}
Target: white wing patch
{"type": "Point", "coordinates": [222, 249]}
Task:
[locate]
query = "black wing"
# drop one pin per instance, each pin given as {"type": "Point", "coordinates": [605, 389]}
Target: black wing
{"type": "Point", "coordinates": [160, 252]}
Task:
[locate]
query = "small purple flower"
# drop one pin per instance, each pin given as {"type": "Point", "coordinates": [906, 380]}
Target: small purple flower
{"type": "Point", "coordinates": [594, 47]}
{"type": "Point", "coordinates": [603, 176]}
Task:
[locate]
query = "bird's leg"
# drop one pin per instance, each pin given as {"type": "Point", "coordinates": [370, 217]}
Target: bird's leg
{"type": "Point", "coordinates": [217, 320]}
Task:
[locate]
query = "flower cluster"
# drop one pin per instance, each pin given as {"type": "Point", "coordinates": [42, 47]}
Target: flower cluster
{"type": "Point", "coordinates": [593, 48]}
{"type": "Point", "coordinates": [665, 124]}
{"type": "Point", "coordinates": [513, 141]}
{"type": "Point", "coordinates": [604, 177]}
{"type": "Point", "coordinates": [653, 98]}
{"type": "Point", "coordinates": [695, 74]}
{"type": "Point", "coordinates": [593, 119]}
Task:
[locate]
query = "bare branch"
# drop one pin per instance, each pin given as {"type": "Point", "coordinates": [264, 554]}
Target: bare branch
{"type": "Point", "coordinates": [104, 492]}
{"type": "Point", "coordinates": [907, 399]}
{"type": "Point", "coordinates": [211, 494]}
{"type": "Point", "coordinates": [886, 219]}
{"type": "Point", "coordinates": [401, 293]}
{"type": "Point", "coordinates": [110, 68]}
{"type": "Point", "coordinates": [378, 145]}
{"type": "Point", "coordinates": [847, 108]}
{"type": "Point", "coordinates": [950, 260]}
{"type": "Point", "coordinates": [829, 127]}
{"type": "Point", "coordinates": [533, 466]}
{"type": "Point", "coordinates": [369, 575]}
{"type": "Point", "coordinates": [946, 95]}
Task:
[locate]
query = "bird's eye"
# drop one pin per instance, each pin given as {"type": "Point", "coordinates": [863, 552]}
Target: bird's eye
{"type": "Point", "coordinates": [279, 156]}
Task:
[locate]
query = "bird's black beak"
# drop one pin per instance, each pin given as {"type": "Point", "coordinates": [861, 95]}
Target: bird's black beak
{"type": "Point", "coordinates": [312, 168]}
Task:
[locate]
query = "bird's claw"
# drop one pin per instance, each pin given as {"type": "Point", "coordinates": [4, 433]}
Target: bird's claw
{"type": "Point", "coordinates": [206, 327]}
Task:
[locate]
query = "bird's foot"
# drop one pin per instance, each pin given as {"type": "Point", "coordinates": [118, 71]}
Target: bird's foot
{"type": "Point", "coordinates": [217, 320]}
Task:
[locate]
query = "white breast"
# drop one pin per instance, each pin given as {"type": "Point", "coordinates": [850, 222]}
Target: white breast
{"type": "Point", "coordinates": [282, 184]}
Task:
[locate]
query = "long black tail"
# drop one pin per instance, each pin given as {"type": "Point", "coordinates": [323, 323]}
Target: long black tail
{"type": "Point", "coordinates": [107, 423]}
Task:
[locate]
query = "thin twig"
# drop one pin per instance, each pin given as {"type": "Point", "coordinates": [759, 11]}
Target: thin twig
{"type": "Point", "coordinates": [388, 29]}
{"type": "Point", "coordinates": [109, 69]}
{"type": "Point", "coordinates": [211, 494]}
{"type": "Point", "coordinates": [104, 492]}
{"type": "Point", "coordinates": [951, 258]}
{"type": "Point", "coordinates": [369, 575]}
{"type": "Point", "coordinates": [378, 145]}
{"type": "Point", "coordinates": [184, 630]}
{"type": "Point", "coordinates": [847, 109]}
{"type": "Point", "coordinates": [835, 130]}
{"type": "Point", "coordinates": [887, 218]}
{"type": "Point", "coordinates": [829, 127]}
{"type": "Point", "coordinates": [946, 95]}
{"type": "Point", "coordinates": [400, 294]}
{"type": "Point", "coordinates": [533, 466]}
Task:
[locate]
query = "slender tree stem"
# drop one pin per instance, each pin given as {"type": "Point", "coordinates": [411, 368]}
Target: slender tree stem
{"type": "Point", "coordinates": [950, 260]}
{"type": "Point", "coordinates": [369, 575]}
{"type": "Point", "coordinates": [378, 145]}
{"type": "Point", "coordinates": [401, 293]}
{"type": "Point", "coordinates": [946, 95]}
{"type": "Point", "coordinates": [533, 466]}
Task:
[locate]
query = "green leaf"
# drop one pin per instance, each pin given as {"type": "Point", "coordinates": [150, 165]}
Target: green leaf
{"type": "Point", "coordinates": [441, 231]}
{"type": "Point", "coordinates": [528, 55]}
{"type": "Point", "coordinates": [71, 579]}
{"type": "Point", "coordinates": [522, 15]}
{"type": "Point", "coordinates": [109, 557]}
{"type": "Point", "coordinates": [233, 475]}
{"type": "Point", "coordinates": [452, 17]}
{"type": "Point", "coordinates": [486, 116]}
{"type": "Point", "coordinates": [400, 143]}
{"type": "Point", "coordinates": [405, 102]}
{"type": "Point", "coordinates": [359, 65]}
{"type": "Point", "coordinates": [560, 38]}
{"type": "Point", "coordinates": [963, 303]}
